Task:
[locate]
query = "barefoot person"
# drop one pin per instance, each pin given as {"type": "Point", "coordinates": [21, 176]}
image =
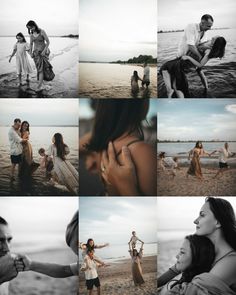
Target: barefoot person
{"type": "Point", "coordinates": [39, 44]}
{"type": "Point", "coordinates": [224, 154]}
{"type": "Point", "coordinates": [134, 83]}
{"type": "Point", "coordinates": [217, 222]}
{"type": "Point", "coordinates": [16, 147]}
{"type": "Point", "coordinates": [137, 273]}
{"type": "Point", "coordinates": [133, 241]}
{"type": "Point", "coordinates": [146, 75]}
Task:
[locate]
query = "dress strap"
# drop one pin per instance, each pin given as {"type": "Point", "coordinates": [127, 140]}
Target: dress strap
{"type": "Point", "coordinates": [131, 142]}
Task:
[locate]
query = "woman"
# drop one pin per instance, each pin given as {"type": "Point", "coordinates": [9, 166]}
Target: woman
{"type": "Point", "coordinates": [136, 266]}
{"type": "Point", "coordinates": [39, 44]}
{"type": "Point", "coordinates": [134, 83]}
{"type": "Point", "coordinates": [63, 170]}
{"type": "Point", "coordinates": [195, 166]}
{"type": "Point", "coordinates": [217, 222]}
{"type": "Point", "coordinates": [173, 71]}
{"type": "Point", "coordinates": [119, 123]}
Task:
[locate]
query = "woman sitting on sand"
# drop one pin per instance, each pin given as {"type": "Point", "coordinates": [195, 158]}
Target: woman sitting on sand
{"type": "Point", "coordinates": [134, 83]}
{"type": "Point", "coordinates": [195, 166]}
{"type": "Point", "coordinates": [39, 44]}
{"type": "Point", "coordinates": [136, 258]}
{"type": "Point", "coordinates": [195, 257]}
{"type": "Point", "coordinates": [217, 222]}
{"type": "Point", "coordinates": [173, 71]}
{"type": "Point", "coordinates": [63, 170]}
{"type": "Point", "coordinates": [118, 123]}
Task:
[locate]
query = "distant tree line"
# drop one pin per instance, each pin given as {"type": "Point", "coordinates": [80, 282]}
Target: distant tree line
{"type": "Point", "coordinates": [137, 60]}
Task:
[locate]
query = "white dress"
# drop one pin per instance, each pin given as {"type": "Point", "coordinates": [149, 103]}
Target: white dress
{"type": "Point", "coordinates": [22, 62]}
{"type": "Point", "coordinates": [64, 170]}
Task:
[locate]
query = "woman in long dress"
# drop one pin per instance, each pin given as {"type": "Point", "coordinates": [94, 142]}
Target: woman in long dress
{"type": "Point", "coordinates": [195, 165]}
{"type": "Point", "coordinates": [136, 266]}
{"type": "Point", "coordinates": [63, 170]}
{"type": "Point", "coordinates": [39, 44]}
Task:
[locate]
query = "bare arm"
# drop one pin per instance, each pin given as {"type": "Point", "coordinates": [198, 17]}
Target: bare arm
{"type": "Point", "coordinates": [13, 53]}
{"type": "Point", "coordinates": [31, 45]}
{"type": "Point", "coordinates": [203, 78]}
{"type": "Point", "coordinates": [51, 269]}
{"type": "Point", "coordinates": [101, 246]}
{"type": "Point", "coordinates": [46, 40]}
{"type": "Point", "coordinates": [194, 50]}
{"type": "Point", "coordinates": [200, 64]}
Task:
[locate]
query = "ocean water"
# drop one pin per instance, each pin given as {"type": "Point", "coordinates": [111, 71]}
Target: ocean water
{"type": "Point", "coordinates": [103, 80]}
{"type": "Point", "coordinates": [221, 73]}
{"type": "Point", "coordinates": [117, 252]}
{"type": "Point", "coordinates": [63, 57]}
{"type": "Point", "coordinates": [181, 150]}
{"type": "Point", "coordinates": [39, 137]}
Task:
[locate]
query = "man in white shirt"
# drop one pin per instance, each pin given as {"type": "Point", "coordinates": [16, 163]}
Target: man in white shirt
{"type": "Point", "coordinates": [224, 154]}
{"type": "Point", "coordinates": [7, 264]}
{"type": "Point", "coordinates": [146, 75]}
{"type": "Point", "coordinates": [194, 34]}
{"type": "Point", "coordinates": [15, 146]}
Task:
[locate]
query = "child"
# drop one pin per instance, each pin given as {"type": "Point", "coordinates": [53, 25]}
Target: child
{"type": "Point", "coordinates": [195, 257]}
{"type": "Point", "coordinates": [133, 241]}
{"type": "Point", "coordinates": [134, 82]}
{"type": "Point", "coordinates": [46, 162]}
{"type": "Point", "coordinates": [22, 63]}
{"type": "Point", "coordinates": [90, 268]}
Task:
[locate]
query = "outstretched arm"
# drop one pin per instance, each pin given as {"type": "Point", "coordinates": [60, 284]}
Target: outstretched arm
{"type": "Point", "coordinates": [101, 246]}
{"type": "Point", "coordinates": [13, 53]}
{"type": "Point", "coordinates": [200, 64]}
{"type": "Point", "coordinates": [202, 77]}
{"type": "Point", "coordinates": [194, 50]}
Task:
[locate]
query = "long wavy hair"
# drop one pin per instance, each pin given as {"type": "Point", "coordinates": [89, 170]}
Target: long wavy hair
{"type": "Point", "coordinates": [218, 48]}
{"type": "Point", "coordinates": [32, 23]}
{"type": "Point", "coordinates": [22, 36]}
{"type": "Point", "coordinates": [224, 213]}
{"type": "Point", "coordinates": [60, 145]}
{"type": "Point", "coordinates": [203, 255]}
{"type": "Point", "coordinates": [88, 246]}
{"type": "Point", "coordinates": [114, 118]}
{"type": "Point", "coordinates": [21, 128]}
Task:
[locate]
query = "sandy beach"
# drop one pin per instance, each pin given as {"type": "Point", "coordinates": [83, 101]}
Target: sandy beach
{"type": "Point", "coordinates": [32, 283]}
{"type": "Point", "coordinates": [223, 185]}
{"type": "Point", "coordinates": [117, 279]}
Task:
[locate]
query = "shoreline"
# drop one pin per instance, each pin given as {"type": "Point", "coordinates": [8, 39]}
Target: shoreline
{"type": "Point", "coordinates": [117, 278]}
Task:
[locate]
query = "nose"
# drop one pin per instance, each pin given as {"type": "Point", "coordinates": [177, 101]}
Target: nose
{"type": "Point", "coordinates": [196, 221]}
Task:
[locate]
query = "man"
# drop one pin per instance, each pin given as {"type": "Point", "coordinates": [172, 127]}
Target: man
{"type": "Point", "coordinates": [7, 265]}
{"type": "Point", "coordinates": [15, 146]}
{"type": "Point", "coordinates": [146, 75]}
{"type": "Point", "coordinates": [195, 34]}
{"type": "Point", "coordinates": [224, 154]}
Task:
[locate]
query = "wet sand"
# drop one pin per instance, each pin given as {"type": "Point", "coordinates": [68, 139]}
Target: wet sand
{"type": "Point", "coordinates": [32, 283]}
{"type": "Point", "coordinates": [221, 81]}
{"type": "Point", "coordinates": [223, 185]}
{"type": "Point", "coordinates": [117, 279]}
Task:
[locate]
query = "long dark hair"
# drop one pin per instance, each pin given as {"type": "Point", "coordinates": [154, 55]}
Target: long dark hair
{"type": "Point", "coordinates": [197, 145]}
{"type": "Point", "coordinates": [32, 23]}
{"type": "Point", "coordinates": [21, 128]}
{"type": "Point", "coordinates": [224, 213]}
{"type": "Point", "coordinates": [88, 246]}
{"type": "Point", "coordinates": [218, 48]}
{"type": "Point", "coordinates": [22, 36]}
{"type": "Point", "coordinates": [203, 255]}
{"type": "Point", "coordinates": [135, 75]}
{"type": "Point", "coordinates": [60, 145]}
{"type": "Point", "coordinates": [115, 117]}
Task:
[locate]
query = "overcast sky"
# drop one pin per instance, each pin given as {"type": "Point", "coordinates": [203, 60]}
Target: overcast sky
{"type": "Point", "coordinates": [113, 219]}
{"type": "Point", "coordinates": [173, 15]}
{"type": "Point", "coordinates": [183, 211]}
{"type": "Point", "coordinates": [56, 17]}
{"type": "Point", "coordinates": [40, 111]}
{"type": "Point", "coordinates": [112, 30]}
{"type": "Point", "coordinates": [189, 119]}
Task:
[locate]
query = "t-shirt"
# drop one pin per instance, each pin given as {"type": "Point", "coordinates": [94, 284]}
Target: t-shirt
{"type": "Point", "coordinates": [170, 163]}
{"type": "Point", "coordinates": [223, 155]}
{"type": "Point", "coordinates": [192, 36]}
{"type": "Point", "coordinates": [91, 272]}
{"type": "Point", "coordinates": [146, 73]}
{"type": "Point", "coordinates": [15, 140]}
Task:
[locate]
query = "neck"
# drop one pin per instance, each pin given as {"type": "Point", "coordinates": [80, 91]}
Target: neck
{"type": "Point", "coordinates": [221, 246]}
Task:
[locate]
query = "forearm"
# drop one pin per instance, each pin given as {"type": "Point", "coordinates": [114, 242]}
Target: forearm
{"type": "Point", "coordinates": [194, 50]}
{"type": "Point", "coordinates": [167, 276]}
{"type": "Point", "coordinates": [51, 269]}
{"type": "Point", "coordinates": [203, 78]}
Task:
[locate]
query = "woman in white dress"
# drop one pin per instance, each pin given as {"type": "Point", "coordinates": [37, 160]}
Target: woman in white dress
{"type": "Point", "coordinates": [63, 170]}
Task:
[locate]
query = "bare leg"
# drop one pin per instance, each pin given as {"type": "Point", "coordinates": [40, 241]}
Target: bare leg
{"type": "Point", "coordinates": [179, 93]}
{"type": "Point", "coordinates": [40, 83]}
{"type": "Point", "coordinates": [19, 78]}
{"type": "Point", "coordinates": [167, 80]}
{"type": "Point", "coordinates": [98, 291]}
{"type": "Point", "coordinates": [13, 166]}
{"type": "Point", "coordinates": [220, 171]}
{"type": "Point", "coordinates": [27, 78]}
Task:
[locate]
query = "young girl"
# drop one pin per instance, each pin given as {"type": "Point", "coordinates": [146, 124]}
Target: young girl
{"type": "Point", "coordinates": [22, 63]}
{"type": "Point", "coordinates": [196, 256]}
{"type": "Point", "coordinates": [134, 82]}
{"type": "Point", "coordinates": [173, 71]}
{"type": "Point", "coordinates": [120, 121]}
{"type": "Point", "coordinates": [133, 241]}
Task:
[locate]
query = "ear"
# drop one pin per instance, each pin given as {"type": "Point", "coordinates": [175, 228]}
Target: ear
{"type": "Point", "coordinates": [218, 224]}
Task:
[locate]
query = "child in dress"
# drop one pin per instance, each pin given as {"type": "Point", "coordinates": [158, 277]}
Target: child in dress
{"type": "Point", "coordinates": [22, 63]}
{"type": "Point", "coordinates": [133, 241]}
{"type": "Point", "coordinates": [46, 162]}
{"type": "Point", "coordinates": [134, 82]}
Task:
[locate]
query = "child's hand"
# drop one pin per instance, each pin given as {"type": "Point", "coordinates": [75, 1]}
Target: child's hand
{"type": "Point", "coordinates": [19, 264]}
{"type": "Point", "coordinates": [25, 260]}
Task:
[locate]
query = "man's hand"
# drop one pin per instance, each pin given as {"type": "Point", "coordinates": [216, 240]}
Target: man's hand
{"type": "Point", "coordinates": [7, 268]}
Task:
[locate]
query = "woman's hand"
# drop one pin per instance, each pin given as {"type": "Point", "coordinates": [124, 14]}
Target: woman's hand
{"type": "Point", "coordinates": [184, 57]}
{"type": "Point", "coordinates": [123, 177]}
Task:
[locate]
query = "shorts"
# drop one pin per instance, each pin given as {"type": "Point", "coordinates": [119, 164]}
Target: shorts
{"type": "Point", "coordinates": [145, 83]}
{"type": "Point", "coordinates": [92, 282]}
{"type": "Point", "coordinates": [223, 165]}
{"type": "Point", "coordinates": [16, 159]}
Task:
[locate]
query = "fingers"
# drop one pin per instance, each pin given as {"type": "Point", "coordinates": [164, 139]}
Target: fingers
{"type": "Point", "coordinates": [111, 152]}
{"type": "Point", "coordinates": [105, 160]}
{"type": "Point", "coordinates": [20, 266]}
{"type": "Point", "coordinates": [126, 156]}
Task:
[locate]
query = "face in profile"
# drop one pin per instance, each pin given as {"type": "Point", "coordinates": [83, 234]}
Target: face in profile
{"type": "Point", "coordinates": [5, 239]}
{"type": "Point", "coordinates": [206, 25]}
{"type": "Point", "coordinates": [184, 257]}
{"type": "Point", "coordinates": [206, 223]}
{"type": "Point", "coordinates": [91, 243]}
